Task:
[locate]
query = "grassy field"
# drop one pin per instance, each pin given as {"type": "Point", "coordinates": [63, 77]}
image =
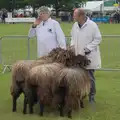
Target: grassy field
{"type": "Point", "coordinates": [22, 29]}
{"type": "Point", "coordinates": [108, 83]}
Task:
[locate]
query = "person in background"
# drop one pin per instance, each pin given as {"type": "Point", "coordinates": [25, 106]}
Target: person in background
{"type": "Point", "coordinates": [3, 17]}
{"type": "Point", "coordinates": [48, 31]}
{"type": "Point", "coordinates": [86, 38]}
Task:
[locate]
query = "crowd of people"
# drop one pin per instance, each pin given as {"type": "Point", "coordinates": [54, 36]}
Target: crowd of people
{"type": "Point", "coordinates": [111, 17]}
{"type": "Point", "coordinates": [108, 17]}
{"type": "Point", "coordinates": [3, 15]}
{"type": "Point", "coordinates": [115, 17]}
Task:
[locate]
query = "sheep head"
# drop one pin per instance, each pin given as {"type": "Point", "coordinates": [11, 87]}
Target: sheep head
{"type": "Point", "coordinates": [60, 55]}
{"type": "Point", "coordinates": [68, 58]}
{"type": "Point", "coordinates": [81, 61]}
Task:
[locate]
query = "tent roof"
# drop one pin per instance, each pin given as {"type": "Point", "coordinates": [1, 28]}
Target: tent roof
{"type": "Point", "coordinates": [93, 5]}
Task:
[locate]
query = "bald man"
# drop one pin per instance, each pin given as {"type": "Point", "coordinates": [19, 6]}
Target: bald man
{"type": "Point", "coordinates": [85, 40]}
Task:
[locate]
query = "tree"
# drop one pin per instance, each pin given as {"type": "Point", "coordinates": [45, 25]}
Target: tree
{"type": "Point", "coordinates": [67, 4]}
{"type": "Point", "coordinates": [57, 4]}
{"type": "Point", "coordinates": [12, 4]}
{"type": "Point", "coordinates": [36, 3]}
{"type": "Point", "coordinates": [4, 4]}
{"type": "Point", "coordinates": [20, 3]}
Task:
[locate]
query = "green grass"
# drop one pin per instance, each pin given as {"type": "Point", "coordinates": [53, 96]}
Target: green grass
{"type": "Point", "coordinates": [22, 29]}
{"type": "Point", "coordinates": [108, 83]}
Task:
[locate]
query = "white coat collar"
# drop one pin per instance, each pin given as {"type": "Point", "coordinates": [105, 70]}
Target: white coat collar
{"type": "Point", "coordinates": [49, 19]}
{"type": "Point", "coordinates": [85, 24]}
{"type": "Point", "coordinates": [45, 22]}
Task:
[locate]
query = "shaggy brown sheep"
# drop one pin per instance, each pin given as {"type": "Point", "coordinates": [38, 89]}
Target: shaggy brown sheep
{"type": "Point", "coordinates": [20, 71]}
{"type": "Point", "coordinates": [76, 84]}
{"type": "Point", "coordinates": [19, 75]}
{"type": "Point", "coordinates": [68, 58]}
{"type": "Point", "coordinates": [42, 79]}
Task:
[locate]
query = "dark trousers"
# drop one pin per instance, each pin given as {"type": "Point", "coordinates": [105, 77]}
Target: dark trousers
{"type": "Point", "coordinates": [93, 87]}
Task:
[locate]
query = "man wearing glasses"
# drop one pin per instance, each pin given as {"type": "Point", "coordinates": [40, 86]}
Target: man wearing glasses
{"type": "Point", "coordinates": [48, 31]}
{"type": "Point", "coordinates": [86, 38]}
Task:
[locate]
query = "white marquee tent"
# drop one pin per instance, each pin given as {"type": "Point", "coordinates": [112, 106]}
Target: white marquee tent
{"type": "Point", "coordinates": [94, 5]}
{"type": "Point", "coordinates": [98, 6]}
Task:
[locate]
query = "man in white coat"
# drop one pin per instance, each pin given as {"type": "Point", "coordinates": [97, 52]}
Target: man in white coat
{"type": "Point", "coordinates": [48, 31]}
{"type": "Point", "coordinates": [86, 38]}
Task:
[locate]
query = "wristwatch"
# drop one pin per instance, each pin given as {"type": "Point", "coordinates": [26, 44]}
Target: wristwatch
{"type": "Point", "coordinates": [34, 26]}
{"type": "Point", "coordinates": [87, 51]}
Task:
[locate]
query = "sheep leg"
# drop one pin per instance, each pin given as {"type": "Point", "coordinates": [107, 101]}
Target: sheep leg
{"type": "Point", "coordinates": [61, 110]}
{"type": "Point", "coordinates": [30, 101]}
{"type": "Point", "coordinates": [25, 105]}
{"type": "Point", "coordinates": [81, 104]}
{"type": "Point", "coordinates": [62, 104]}
{"type": "Point", "coordinates": [14, 103]}
{"type": "Point", "coordinates": [41, 109]}
{"type": "Point", "coordinates": [15, 96]}
{"type": "Point", "coordinates": [31, 106]}
{"type": "Point", "coordinates": [70, 113]}
{"type": "Point", "coordinates": [69, 106]}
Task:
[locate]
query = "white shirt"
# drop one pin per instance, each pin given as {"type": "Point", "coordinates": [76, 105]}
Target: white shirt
{"type": "Point", "coordinates": [49, 36]}
{"type": "Point", "coordinates": [88, 36]}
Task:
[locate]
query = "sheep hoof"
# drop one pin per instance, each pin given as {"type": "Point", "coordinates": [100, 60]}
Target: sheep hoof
{"type": "Point", "coordinates": [24, 112]}
{"type": "Point", "coordinates": [61, 115]}
{"type": "Point", "coordinates": [70, 116]}
{"type": "Point", "coordinates": [14, 110]}
{"type": "Point", "coordinates": [31, 112]}
{"type": "Point", "coordinates": [82, 106]}
{"type": "Point", "coordinates": [41, 114]}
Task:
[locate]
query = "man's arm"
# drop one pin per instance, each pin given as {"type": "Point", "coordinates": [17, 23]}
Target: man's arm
{"type": "Point", "coordinates": [96, 41]}
{"type": "Point", "coordinates": [60, 36]}
{"type": "Point", "coordinates": [72, 40]}
{"type": "Point", "coordinates": [32, 31]}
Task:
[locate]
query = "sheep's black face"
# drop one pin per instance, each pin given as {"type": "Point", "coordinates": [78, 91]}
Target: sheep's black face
{"type": "Point", "coordinates": [81, 60]}
{"type": "Point", "coordinates": [68, 58]}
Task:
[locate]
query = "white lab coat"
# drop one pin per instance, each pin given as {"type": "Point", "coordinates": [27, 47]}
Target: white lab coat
{"type": "Point", "coordinates": [88, 36]}
{"type": "Point", "coordinates": [49, 36]}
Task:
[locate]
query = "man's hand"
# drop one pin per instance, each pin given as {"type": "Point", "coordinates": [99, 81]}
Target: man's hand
{"type": "Point", "coordinates": [87, 51]}
{"type": "Point", "coordinates": [37, 22]}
